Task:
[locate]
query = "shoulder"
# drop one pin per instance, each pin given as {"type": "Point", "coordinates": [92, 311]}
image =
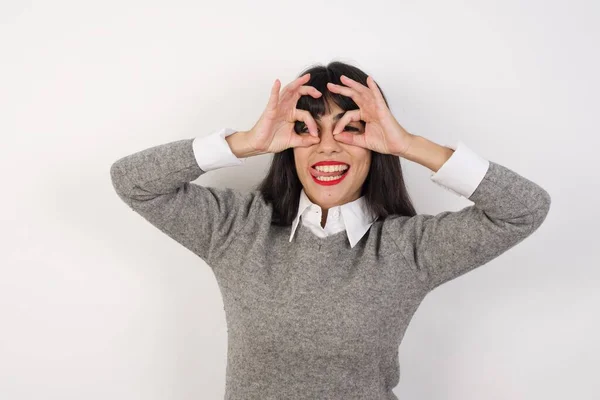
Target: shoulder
{"type": "Point", "coordinates": [399, 230]}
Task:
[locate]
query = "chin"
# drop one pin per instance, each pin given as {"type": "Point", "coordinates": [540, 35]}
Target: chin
{"type": "Point", "coordinates": [329, 197]}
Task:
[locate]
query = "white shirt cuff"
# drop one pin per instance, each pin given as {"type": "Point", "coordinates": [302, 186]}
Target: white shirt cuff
{"type": "Point", "coordinates": [213, 151]}
{"type": "Point", "coordinates": [462, 172]}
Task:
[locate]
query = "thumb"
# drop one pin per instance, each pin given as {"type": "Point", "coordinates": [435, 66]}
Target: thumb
{"type": "Point", "coordinates": [351, 139]}
{"type": "Point", "coordinates": [304, 140]}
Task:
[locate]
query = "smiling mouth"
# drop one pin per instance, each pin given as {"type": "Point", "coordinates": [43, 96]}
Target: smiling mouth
{"type": "Point", "coordinates": [330, 180]}
{"type": "Point", "coordinates": [316, 173]}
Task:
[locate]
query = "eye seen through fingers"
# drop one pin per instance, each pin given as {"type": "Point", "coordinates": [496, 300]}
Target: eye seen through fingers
{"type": "Point", "coordinates": [301, 128]}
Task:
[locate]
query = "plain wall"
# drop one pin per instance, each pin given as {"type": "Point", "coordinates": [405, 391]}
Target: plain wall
{"type": "Point", "coordinates": [95, 303]}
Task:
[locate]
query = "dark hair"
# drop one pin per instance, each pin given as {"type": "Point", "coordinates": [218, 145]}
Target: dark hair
{"type": "Point", "coordinates": [384, 189]}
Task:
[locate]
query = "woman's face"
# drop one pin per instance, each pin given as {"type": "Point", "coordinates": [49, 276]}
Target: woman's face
{"type": "Point", "coordinates": [351, 162]}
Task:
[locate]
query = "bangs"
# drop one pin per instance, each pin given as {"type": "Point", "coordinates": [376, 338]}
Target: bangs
{"type": "Point", "coordinates": [317, 107]}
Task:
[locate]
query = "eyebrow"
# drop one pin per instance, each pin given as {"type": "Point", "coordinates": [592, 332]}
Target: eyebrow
{"type": "Point", "coordinates": [335, 118]}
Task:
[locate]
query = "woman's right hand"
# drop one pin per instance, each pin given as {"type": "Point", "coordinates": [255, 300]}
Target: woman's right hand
{"type": "Point", "coordinates": [274, 131]}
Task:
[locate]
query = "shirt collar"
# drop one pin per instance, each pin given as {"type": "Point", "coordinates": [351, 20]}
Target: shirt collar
{"type": "Point", "coordinates": [353, 216]}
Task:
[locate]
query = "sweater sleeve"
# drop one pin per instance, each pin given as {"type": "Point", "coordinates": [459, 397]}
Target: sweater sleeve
{"type": "Point", "coordinates": [156, 184]}
{"type": "Point", "coordinates": [507, 208]}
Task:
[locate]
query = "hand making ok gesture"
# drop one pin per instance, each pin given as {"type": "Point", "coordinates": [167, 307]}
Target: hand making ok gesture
{"type": "Point", "coordinates": [383, 133]}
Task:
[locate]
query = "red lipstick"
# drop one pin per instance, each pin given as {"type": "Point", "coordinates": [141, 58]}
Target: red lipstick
{"type": "Point", "coordinates": [314, 173]}
{"type": "Point", "coordinates": [329, 163]}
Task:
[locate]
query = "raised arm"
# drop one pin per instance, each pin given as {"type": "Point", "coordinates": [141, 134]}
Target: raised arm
{"type": "Point", "coordinates": [156, 183]}
{"type": "Point", "coordinates": [508, 208]}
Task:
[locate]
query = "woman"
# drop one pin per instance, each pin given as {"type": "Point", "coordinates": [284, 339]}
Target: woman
{"type": "Point", "coordinates": [323, 265]}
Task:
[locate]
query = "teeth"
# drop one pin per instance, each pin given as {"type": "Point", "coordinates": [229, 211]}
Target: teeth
{"type": "Point", "coordinates": [331, 168]}
{"type": "Point", "coordinates": [328, 178]}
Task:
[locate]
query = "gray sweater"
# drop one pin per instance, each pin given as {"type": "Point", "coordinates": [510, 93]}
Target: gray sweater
{"type": "Point", "coordinates": [315, 318]}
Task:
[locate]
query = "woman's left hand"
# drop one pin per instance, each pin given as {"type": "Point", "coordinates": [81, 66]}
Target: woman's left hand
{"type": "Point", "coordinates": [383, 133]}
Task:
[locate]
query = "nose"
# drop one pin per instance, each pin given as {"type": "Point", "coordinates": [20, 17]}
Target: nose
{"type": "Point", "coordinates": [328, 144]}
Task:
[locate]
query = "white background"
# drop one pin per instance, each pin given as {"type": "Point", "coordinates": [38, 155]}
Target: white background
{"type": "Point", "coordinates": [95, 303]}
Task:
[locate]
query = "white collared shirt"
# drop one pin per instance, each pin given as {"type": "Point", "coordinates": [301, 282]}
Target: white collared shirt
{"type": "Point", "coordinates": [460, 174]}
{"type": "Point", "coordinates": [353, 217]}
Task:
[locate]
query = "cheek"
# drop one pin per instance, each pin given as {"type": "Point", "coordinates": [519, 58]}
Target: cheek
{"type": "Point", "coordinates": [298, 154]}
{"type": "Point", "coordinates": [300, 162]}
{"type": "Point", "coordinates": [364, 160]}
{"type": "Point", "coordinates": [365, 166]}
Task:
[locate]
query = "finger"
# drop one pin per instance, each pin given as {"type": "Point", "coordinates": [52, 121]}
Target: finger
{"type": "Point", "coordinates": [300, 81]}
{"type": "Point", "coordinates": [273, 98]}
{"type": "Point", "coordinates": [308, 90]}
{"type": "Point", "coordinates": [343, 90]}
{"type": "Point", "coordinates": [290, 88]}
{"type": "Point", "coordinates": [352, 139]}
{"type": "Point", "coordinates": [359, 87]}
{"type": "Point", "coordinates": [375, 88]}
{"type": "Point", "coordinates": [303, 115]}
{"type": "Point", "coordinates": [349, 116]}
{"type": "Point", "coordinates": [304, 141]}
